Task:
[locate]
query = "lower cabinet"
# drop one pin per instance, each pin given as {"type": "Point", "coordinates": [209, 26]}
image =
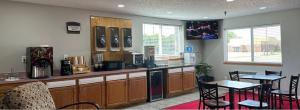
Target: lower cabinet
{"type": "Point", "coordinates": [5, 87]}
{"type": "Point", "coordinates": [63, 96]}
{"type": "Point", "coordinates": [174, 83]}
{"type": "Point", "coordinates": [137, 89]}
{"type": "Point", "coordinates": [112, 91]}
{"type": "Point", "coordinates": [116, 91]}
{"type": "Point", "coordinates": [180, 80]}
{"type": "Point", "coordinates": [63, 93]}
{"type": "Point", "coordinates": [91, 90]}
{"type": "Point", "coordinates": [188, 80]}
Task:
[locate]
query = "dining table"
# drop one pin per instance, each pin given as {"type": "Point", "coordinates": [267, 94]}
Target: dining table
{"type": "Point", "coordinates": [261, 77]}
{"type": "Point", "coordinates": [232, 86]}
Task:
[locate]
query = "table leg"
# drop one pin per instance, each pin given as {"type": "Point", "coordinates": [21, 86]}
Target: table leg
{"type": "Point", "coordinates": [231, 98]}
{"type": "Point", "coordinates": [261, 81]}
{"type": "Point", "coordinates": [258, 89]}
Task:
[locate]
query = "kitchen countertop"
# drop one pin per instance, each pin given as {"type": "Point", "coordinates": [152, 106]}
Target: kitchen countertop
{"type": "Point", "coordinates": [57, 76]}
{"type": "Point", "coordinates": [171, 66]}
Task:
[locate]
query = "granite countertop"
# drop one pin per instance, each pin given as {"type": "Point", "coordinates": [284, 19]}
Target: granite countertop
{"type": "Point", "coordinates": [171, 66]}
{"type": "Point", "coordinates": [56, 76]}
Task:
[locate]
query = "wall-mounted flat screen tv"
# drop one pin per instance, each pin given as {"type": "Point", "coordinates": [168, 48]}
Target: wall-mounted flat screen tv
{"type": "Point", "coordinates": [203, 30]}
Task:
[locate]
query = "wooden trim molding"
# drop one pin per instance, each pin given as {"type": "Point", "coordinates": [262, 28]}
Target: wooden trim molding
{"type": "Point", "coordinates": [253, 64]}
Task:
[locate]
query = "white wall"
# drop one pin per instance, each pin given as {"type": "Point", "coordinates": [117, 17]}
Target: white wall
{"type": "Point", "coordinates": [23, 25]}
{"type": "Point", "coordinates": [289, 20]}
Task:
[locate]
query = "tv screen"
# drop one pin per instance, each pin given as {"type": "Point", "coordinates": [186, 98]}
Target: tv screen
{"type": "Point", "coordinates": [203, 30]}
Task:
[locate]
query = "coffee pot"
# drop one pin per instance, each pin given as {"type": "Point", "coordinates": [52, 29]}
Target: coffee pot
{"type": "Point", "coordinates": [66, 67]}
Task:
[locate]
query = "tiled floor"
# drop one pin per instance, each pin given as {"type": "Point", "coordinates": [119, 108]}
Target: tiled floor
{"type": "Point", "coordinates": [167, 102]}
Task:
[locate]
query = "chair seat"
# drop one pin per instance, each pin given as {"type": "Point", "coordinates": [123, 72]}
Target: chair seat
{"type": "Point", "coordinates": [213, 103]}
{"type": "Point", "coordinates": [253, 104]}
{"type": "Point", "coordinates": [282, 92]}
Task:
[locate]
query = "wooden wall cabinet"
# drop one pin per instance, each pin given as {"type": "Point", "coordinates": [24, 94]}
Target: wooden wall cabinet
{"type": "Point", "coordinates": [63, 93]}
{"type": "Point", "coordinates": [91, 90]}
{"type": "Point", "coordinates": [137, 87]}
{"type": "Point", "coordinates": [116, 90]}
{"type": "Point", "coordinates": [114, 46]}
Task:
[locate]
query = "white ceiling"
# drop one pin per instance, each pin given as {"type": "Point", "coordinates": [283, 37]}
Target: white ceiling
{"type": "Point", "coordinates": [180, 9]}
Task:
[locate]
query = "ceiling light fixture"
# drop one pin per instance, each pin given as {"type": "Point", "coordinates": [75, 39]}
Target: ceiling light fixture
{"type": "Point", "coordinates": [121, 5]}
{"type": "Point", "coordinates": [205, 17]}
{"type": "Point", "coordinates": [229, 0]}
{"type": "Point", "coordinates": [263, 8]}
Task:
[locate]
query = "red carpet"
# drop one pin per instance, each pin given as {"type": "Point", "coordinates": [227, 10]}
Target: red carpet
{"type": "Point", "coordinates": [194, 104]}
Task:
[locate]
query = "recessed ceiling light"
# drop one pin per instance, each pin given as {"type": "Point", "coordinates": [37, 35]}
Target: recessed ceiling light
{"type": "Point", "coordinates": [229, 0]}
{"type": "Point", "coordinates": [169, 12]}
{"type": "Point", "coordinates": [121, 5]}
{"type": "Point", "coordinates": [263, 8]}
{"type": "Point", "coordinates": [205, 17]}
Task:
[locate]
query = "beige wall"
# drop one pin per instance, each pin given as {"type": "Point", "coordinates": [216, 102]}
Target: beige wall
{"type": "Point", "coordinates": [289, 20]}
{"type": "Point", "coordinates": [24, 25]}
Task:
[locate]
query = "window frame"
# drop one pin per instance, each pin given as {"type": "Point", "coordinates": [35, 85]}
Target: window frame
{"type": "Point", "coordinates": [180, 40]}
{"type": "Point", "coordinates": [225, 44]}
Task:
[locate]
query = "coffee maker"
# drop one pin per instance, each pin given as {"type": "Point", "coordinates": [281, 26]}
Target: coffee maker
{"type": "Point", "coordinates": [66, 67]}
{"type": "Point", "coordinates": [149, 52]}
{"type": "Point", "coordinates": [40, 62]}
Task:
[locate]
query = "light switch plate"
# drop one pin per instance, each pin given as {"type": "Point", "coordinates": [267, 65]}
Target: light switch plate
{"type": "Point", "coordinates": [23, 59]}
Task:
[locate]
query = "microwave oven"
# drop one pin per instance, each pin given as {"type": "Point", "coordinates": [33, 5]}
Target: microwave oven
{"type": "Point", "coordinates": [136, 59]}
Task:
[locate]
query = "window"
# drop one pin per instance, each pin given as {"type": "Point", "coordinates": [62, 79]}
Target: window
{"type": "Point", "coordinates": [254, 45]}
{"type": "Point", "coordinates": [167, 39]}
{"type": "Point", "coordinates": [239, 45]}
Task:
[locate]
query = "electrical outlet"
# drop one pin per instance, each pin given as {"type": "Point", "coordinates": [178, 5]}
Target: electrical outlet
{"type": "Point", "coordinates": [23, 59]}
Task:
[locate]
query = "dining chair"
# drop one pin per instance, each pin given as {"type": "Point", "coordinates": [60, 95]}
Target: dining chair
{"type": "Point", "coordinates": [278, 73]}
{"type": "Point", "coordinates": [220, 95]}
{"type": "Point", "coordinates": [210, 96]}
{"type": "Point", "coordinates": [263, 101]}
{"type": "Point", "coordinates": [234, 76]}
{"type": "Point", "coordinates": [33, 96]}
{"type": "Point", "coordinates": [293, 89]}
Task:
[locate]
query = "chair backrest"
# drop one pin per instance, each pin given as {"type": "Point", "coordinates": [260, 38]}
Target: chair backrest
{"type": "Point", "coordinates": [30, 96]}
{"type": "Point", "coordinates": [209, 91]}
{"type": "Point", "coordinates": [265, 92]}
{"type": "Point", "coordinates": [294, 84]}
{"type": "Point", "coordinates": [234, 76]}
{"type": "Point", "coordinates": [279, 73]}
